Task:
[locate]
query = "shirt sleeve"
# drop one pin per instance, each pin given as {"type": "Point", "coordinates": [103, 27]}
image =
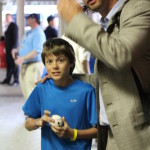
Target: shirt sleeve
{"type": "Point", "coordinates": [91, 107]}
{"type": "Point", "coordinates": [32, 106]}
{"type": "Point", "coordinates": [38, 41]}
{"type": "Point", "coordinates": [84, 54]}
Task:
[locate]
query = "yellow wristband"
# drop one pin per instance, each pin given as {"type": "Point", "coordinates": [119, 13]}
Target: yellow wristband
{"type": "Point", "coordinates": [75, 135]}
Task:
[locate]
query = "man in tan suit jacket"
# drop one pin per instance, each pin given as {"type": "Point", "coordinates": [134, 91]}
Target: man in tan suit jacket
{"type": "Point", "coordinates": [122, 66]}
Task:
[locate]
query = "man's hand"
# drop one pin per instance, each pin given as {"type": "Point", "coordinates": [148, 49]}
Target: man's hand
{"type": "Point", "coordinates": [13, 53]}
{"type": "Point", "coordinates": [43, 80]}
{"type": "Point", "coordinates": [68, 9]}
{"type": "Point", "coordinates": [19, 61]}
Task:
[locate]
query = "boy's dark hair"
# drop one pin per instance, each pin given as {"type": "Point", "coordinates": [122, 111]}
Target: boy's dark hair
{"type": "Point", "coordinates": [57, 46]}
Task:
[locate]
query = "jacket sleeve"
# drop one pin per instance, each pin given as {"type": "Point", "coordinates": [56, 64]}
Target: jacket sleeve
{"type": "Point", "coordinates": [125, 45]}
{"type": "Point", "coordinates": [15, 35]}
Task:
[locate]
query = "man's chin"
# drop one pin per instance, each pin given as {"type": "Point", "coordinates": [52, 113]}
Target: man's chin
{"type": "Point", "coordinates": [91, 8]}
{"type": "Point", "coordinates": [95, 7]}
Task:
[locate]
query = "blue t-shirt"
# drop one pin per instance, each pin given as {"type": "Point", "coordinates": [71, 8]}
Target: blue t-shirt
{"type": "Point", "coordinates": [76, 103]}
{"type": "Point", "coordinates": [32, 40]}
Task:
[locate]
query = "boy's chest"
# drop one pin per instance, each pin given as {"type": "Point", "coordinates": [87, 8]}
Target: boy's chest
{"type": "Point", "coordinates": [63, 102]}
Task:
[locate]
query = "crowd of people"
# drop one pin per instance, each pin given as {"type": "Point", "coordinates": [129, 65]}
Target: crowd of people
{"type": "Point", "coordinates": [24, 59]}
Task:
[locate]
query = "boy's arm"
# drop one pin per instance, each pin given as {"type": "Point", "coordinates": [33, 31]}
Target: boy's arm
{"type": "Point", "coordinates": [87, 133]}
{"type": "Point", "coordinates": [32, 124]}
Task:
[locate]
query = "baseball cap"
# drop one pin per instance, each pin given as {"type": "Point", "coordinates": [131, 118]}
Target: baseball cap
{"type": "Point", "coordinates": [36, 16]}
{"type": "Point", "coordinates": [51, 17]}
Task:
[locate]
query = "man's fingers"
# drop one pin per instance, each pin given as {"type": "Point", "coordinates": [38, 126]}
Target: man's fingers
{"type": "Point", "coordinates": [68, 9]}
{"type": "Point", "coordinates": [43, 80]}
{"type": "Point", "coordinates": [37, 82]}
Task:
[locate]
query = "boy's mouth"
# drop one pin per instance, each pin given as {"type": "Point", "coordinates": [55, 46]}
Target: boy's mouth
{"type": "Point", "coordinates": [56, 73]}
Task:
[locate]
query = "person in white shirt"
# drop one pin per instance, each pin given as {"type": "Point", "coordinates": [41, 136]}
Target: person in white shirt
{"type": "Point", "coordinates": [82, 56]}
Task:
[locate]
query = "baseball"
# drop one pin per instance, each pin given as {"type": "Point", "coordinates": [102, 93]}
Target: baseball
{"type": "Point", "coordinates": [58, 120]}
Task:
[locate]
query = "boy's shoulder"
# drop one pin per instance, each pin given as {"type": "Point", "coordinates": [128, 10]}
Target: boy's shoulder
{"type": "Point", "coordinates": [83, 84]}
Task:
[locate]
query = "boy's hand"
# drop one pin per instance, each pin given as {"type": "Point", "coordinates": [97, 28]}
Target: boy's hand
{"type": "Point", "coordinates": [43, 80]}
{"type": "Point", "coordinates": [41, 122]}
{"type": "Point", "coordinates": [63, 132]}
{"type": "Point", "coordinates": [46, 117]}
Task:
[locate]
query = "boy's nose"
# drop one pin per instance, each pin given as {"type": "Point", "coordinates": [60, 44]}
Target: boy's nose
{"type": "Point", "coordinates": [55, 65]}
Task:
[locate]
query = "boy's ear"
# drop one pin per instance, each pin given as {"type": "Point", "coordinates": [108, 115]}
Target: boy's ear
{"type": "Point", "coordinates": [71, 65]}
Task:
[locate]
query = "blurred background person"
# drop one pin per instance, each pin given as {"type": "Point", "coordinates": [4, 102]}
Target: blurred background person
{"type": "Point", "coordinates": [11, 44]}
{"type": "Point", "coordinates": [51, 31]}
{"type": "Point", "coordinates": [29, 58]}
{"type": "Point", "coordinates": [82, 64]}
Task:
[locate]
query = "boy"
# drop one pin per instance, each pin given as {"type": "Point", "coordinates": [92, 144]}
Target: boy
{"type": "Point", "coordinates": [61, 95]}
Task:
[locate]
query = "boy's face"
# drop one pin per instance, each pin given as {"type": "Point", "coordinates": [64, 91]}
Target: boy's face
{"type": "Point", "coordinates": [58, 67]}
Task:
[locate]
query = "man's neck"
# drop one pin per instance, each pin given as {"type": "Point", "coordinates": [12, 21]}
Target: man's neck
{"type": "Point", "coordinates": [106, 7]}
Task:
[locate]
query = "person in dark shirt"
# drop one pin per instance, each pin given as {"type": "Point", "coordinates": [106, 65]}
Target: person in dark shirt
{"type": "Point", "coordinates": [51, 31]}
{"type": "Point", "coordinates": [11, 44]}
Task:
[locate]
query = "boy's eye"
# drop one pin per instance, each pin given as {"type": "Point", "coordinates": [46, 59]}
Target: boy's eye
{"type": "Point", "coordinates": [61, 60]}
{"type": "Point", "coordinates": [48, 61]}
